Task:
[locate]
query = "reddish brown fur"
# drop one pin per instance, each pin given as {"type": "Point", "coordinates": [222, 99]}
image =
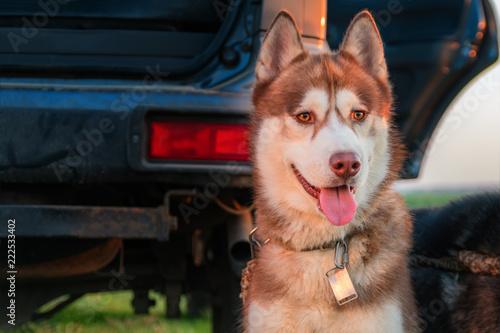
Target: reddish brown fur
{"type": "Point", "coordinates": [384, 243]}
{"type": "Point", "coordinates": [380, 249]}
{"type": "Point", "coordinates": [338, 70]}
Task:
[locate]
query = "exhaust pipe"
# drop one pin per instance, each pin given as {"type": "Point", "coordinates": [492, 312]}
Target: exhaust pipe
{"type": "Point", "coordinates": [238, 244]}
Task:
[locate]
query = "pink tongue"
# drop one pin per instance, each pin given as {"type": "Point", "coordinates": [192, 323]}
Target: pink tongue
{"type": "Point", "coordinates": [337, 204]}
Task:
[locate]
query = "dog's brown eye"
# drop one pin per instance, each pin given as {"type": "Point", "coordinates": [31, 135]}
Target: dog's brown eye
{"type": "Point", "coordinates": [358, 115]}
{"type": "Point", "coordinates": [305, 117]}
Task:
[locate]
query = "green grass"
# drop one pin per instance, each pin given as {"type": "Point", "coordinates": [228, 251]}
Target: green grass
{"type": "Point", "coordinates": [418, 200]}
{"type": "Point", "coordinates": [113, 312]}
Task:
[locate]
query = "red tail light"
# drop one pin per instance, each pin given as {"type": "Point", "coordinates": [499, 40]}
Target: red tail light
{"type": "Point", "coordinates": [177, 140]}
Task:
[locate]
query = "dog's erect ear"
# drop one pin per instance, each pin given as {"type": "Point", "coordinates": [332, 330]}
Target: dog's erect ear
{"type": "Point", "coordinates": [280, 46]}
{"type": "Point", "coordinates": [362, 40]}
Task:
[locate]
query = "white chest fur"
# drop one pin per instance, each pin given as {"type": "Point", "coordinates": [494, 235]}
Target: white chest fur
{"type": "Point", "coordinates": [305, 308]}
{"type": "Point", "coordinates": [285, 317]}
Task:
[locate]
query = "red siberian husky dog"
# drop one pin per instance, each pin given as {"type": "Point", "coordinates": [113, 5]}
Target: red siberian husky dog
{"type": "Point", "coordinates": [325, 154]}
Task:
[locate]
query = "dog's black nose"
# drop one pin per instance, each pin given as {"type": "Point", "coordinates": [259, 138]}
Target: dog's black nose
{"type": "Point", "coordinates": [345, 164]}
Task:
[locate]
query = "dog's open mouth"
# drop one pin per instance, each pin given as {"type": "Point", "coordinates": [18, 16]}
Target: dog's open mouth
{"type": "Point", "coordinates": [337, 203]}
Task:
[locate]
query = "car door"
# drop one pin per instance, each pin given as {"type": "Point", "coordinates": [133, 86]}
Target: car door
{"type": "Point", "coordinates": [433, 49]}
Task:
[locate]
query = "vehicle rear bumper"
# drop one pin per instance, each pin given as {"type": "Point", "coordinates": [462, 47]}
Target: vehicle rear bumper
{"type": "Point", "coordinates": [64, 133]}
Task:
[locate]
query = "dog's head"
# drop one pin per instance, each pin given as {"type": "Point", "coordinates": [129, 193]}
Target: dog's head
{"type": "Point", "coordinates": [321, 136]}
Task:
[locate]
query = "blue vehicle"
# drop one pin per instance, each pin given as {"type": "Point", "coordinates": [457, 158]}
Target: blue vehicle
{"type": "Point", "coordinates": [123, 157]}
